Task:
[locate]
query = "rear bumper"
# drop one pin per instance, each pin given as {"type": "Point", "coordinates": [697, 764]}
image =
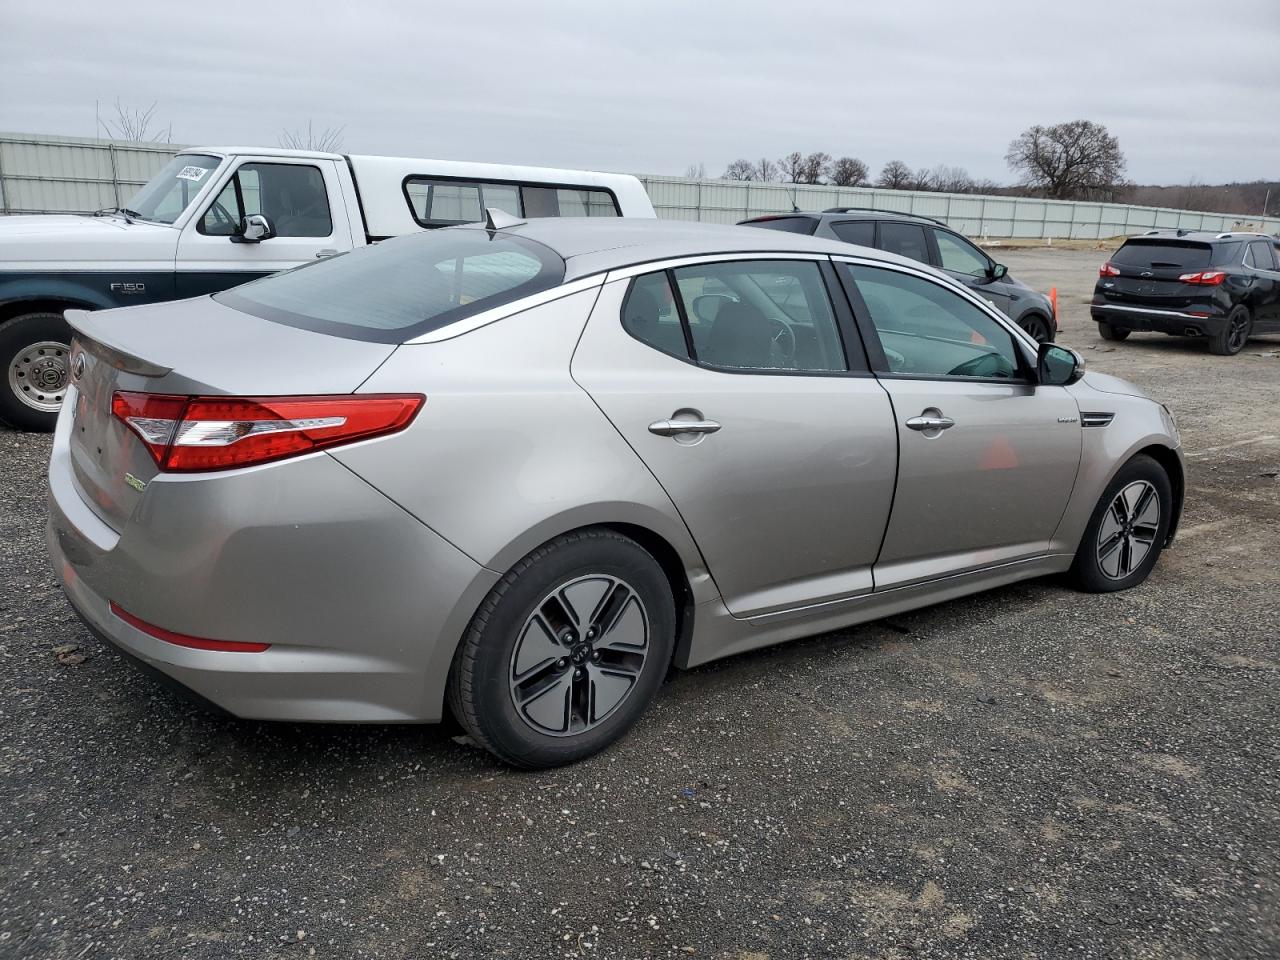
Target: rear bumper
{"type": "Point", "coordinates": [1175, 322]}
{"type": "Point", "coordinates": [362, 604]}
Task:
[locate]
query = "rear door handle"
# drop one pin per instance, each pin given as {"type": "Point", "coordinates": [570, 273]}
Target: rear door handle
{"type": "Point", "coordinates": [926, 422]}
{"type": "Point", "coordinates": [673, 428]}
{"type": "Point", "coordinates": [327, 252]}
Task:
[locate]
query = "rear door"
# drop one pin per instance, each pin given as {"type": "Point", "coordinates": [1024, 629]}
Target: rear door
{"type": "Point", "coordinates": [987, 458]}
{"type": "Point", "coordinates": [730, 381]}
{"type": "Point", "coordinates": [302, 198]}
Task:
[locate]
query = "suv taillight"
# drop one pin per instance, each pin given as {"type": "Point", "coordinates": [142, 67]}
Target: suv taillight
{"type": "Point", "coordinates": [1207, 278]}
{"type": "Point", "coordinates": [1108, 269]}
{"type": "Point", "coordinates": [222, 433]}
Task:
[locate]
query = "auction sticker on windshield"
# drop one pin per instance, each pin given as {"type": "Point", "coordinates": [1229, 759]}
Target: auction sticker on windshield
{"type": "Point", "coordinates": [192, 173]}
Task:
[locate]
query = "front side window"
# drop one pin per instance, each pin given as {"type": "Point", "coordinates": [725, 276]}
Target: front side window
{"type": "Point", "coordinates": [960, 256]}
{"type": "Point", "coordinates": [927, 330]}
{"type": "Point", "coordinates": [292, 196]}
{"type": "Point", "coordinates": [438, 203]}
{"type": "Point", "coordinates": [166, 195]}
{"type": "Point", "coordinates": [760, 315]}
{"type": "Point", "coordinates": [401, 288]}
{"type": "Point", "coordinates": [904, 239]}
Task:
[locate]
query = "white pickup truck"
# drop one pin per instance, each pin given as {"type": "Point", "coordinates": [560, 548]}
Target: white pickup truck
{"type": "Point", "coordinates": [215, 217]}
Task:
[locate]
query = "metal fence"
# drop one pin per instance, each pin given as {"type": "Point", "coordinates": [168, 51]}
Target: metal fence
{"type": "Point", "coordinates": [48, 174]}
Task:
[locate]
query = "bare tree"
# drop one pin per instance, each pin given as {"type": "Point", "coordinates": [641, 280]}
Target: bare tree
{"type": "Point", "coordinates": [922, 179]}
{"type": "Point", "coordinates": [696, 171]}
{"type": "Point", "coordinates": [767, 171]}
{"type": "Point", "coordinates": [895, 175]}
{"type": "Point", "coordinates": [848, 172]}
{"type": "Point", "coordinates": [816, 166]}
{"type": "Point", "coordinates": [1077, 159]}
{"type": "Point", "coordinates": [947, 179]}
{"type": "Point", "coordinates": [792, 167]}
{"type": "Point", "coordinates": [133, 124]}
{"type": "Point", "coordinates": [740, 170]}
{"type": "Point", "coordinates": [328, 140]}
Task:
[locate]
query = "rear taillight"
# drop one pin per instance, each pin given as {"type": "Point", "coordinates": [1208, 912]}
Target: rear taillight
{"type": "Point", "coordinates": [1108, 269]}
{"type": "Point", "coordinates": [221, 433]}
{"type": "Point", "coordinates": [1207, 278]}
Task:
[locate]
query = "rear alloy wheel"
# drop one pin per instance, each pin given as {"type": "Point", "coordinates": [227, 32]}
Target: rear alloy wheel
{"type": "Point", "coordinates": [1108, 332]}
{"type": "Point", "coordinates": [1234, 334]}
{"type": "Point", "coordinates": [36, 351]}
{"type": "Point", "coordinates": [1127, 530]}
{"type": "Point", "coordinates": [566, 652]}
{"type": "Point", "coordinates": [1037, 326]}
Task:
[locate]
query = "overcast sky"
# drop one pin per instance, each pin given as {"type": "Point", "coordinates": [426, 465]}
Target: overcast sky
{"type": "Point", "coordinates": [1192, 89]}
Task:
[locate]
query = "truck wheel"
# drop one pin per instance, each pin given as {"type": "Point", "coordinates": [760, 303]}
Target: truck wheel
{"type": "Point", "coordinates": [35, 349]}
{"type": "Point", "coordinates": [1108, 332]}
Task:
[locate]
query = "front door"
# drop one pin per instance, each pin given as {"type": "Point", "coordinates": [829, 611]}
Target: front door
{"type": "Point", "coordinates": [302, 199]}
{"type": "Point", "coordinates": [966, 263]}
{"type": "Point", "coordinates": [987, 457]}
{"type": "Point", "coordinates": [732, 383]}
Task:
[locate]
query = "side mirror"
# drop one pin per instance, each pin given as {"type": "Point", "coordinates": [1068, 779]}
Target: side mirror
{"type": "Point", "coordinates": [257, 227]}
{"type": "Point", "coordinates": [998, 271]}
{"type": "Point", "coordinates": [1058, 366]}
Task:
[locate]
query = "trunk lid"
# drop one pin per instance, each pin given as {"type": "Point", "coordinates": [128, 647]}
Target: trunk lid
{"type": "Point", "coordinates": [190, 347]}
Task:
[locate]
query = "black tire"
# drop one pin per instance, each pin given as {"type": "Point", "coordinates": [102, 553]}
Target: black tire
{"type": "Point", "coordinates": [1234, 334]}
{"type": "Point", "coordinates": [1087, 570]}
{"type": "Point", "coordinates": [18, 338]}
{"type": "Point", "coordinates": [1108, 332]}
{"type": "Point", "coordinates": [1038, 326]}
{"type": "Point", "coordinates": [480, 679]}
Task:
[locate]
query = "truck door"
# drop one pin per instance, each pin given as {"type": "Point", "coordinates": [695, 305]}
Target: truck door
{"type": "Point", "coordinates": [301, 199]}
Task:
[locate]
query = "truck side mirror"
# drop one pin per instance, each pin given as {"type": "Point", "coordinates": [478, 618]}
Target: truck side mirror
{"type": "Point", "coordinates": [257, 227]}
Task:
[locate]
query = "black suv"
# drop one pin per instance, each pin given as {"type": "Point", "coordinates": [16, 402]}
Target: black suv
{"type": "Point", "coordinates": [1223, 286]}
{"type": "Point", "coordinates": [929, 241]}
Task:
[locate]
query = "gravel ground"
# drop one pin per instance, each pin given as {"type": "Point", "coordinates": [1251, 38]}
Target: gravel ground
{"type": "Point", "coordinates": [1027, 773]}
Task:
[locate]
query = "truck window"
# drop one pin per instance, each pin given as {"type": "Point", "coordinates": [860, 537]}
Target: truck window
{"type": "Point", "coordinates": [171, 191]}
{"type": "Point", "coordinates": [292, 196]}
{"type": "Point", "coordinates": [440, 203]}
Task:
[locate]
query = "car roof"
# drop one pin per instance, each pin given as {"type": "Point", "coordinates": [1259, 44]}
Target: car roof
{"type": "Point", "coordinates": [591, 245]}
{"type": "Point", "coordinates": [850, 213]}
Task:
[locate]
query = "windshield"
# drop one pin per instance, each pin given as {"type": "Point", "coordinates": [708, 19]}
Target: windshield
{"type": "Point", "coordinates": [171, 190]}
{"type": "Point", "coordinates": [398, 289]}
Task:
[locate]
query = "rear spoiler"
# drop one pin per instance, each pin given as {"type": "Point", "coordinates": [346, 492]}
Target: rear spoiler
{"type": "Point", "coordinates": [91, 334]}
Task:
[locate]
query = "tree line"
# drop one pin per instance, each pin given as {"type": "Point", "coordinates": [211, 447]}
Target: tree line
{"type": "Point", "coordinates": [1077, 160]}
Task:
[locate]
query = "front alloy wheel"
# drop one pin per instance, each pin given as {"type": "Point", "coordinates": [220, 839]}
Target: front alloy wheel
{"type": "Point", "coordinates": [1128, 530]}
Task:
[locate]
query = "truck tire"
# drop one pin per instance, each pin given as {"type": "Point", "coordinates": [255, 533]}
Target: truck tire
{"type": "Point", "coordinates": [35, 349]}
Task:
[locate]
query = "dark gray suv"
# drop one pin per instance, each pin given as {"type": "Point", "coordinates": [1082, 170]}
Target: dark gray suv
{"type": "Point", "coordinates": [932, 242]}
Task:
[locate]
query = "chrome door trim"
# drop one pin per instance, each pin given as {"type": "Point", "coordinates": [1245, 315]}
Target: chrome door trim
{"type": "Point", "coordinates": [483, 319]}
{"type": "Point", "coordinates": [729, 256]}
{"type": "Point", "coordinates": [1153, 310]}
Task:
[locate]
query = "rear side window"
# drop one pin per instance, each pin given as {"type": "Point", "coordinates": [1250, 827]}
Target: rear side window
{"type": "Point", "coordinates": [651, 316]}
{"type": "Point", "coordinates": [861, 232]}
{"type": "Point", "coordinates": [1262, 255]}
{"type": "Point", "coordinates": [437, 202]}
{"type": "Point", "coordinates": [1228, 254]}
{"type": "Point", "coordinates": [804, 225]}
{"type": "Point", "coordinates": [402, 288]}
{"type": "Point", "coordinates": [904, 239]}
{"type": "Point", "coordinates": [1163, 255]}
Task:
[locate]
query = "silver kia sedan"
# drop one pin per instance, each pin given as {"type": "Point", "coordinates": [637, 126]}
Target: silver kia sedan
{"type": "Point", "coordinates": [522, 468]}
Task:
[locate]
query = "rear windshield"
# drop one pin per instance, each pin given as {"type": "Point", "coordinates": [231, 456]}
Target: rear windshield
{"type": "Point", "coordinates": [402, 288]}
{"type": "Point", "coordinates": [1163, 255]}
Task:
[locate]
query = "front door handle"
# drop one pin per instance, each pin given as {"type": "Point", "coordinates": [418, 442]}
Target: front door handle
{"type": "Point", "coordinates": [673, 428]}
{"type": "Point", "coordinates": [931, 421]}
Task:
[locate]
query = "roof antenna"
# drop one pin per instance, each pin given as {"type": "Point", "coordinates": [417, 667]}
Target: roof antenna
{"type": "Point", "coordinates": [495, 219]}
{"type": "Point", "coordinates": [795, 193]}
